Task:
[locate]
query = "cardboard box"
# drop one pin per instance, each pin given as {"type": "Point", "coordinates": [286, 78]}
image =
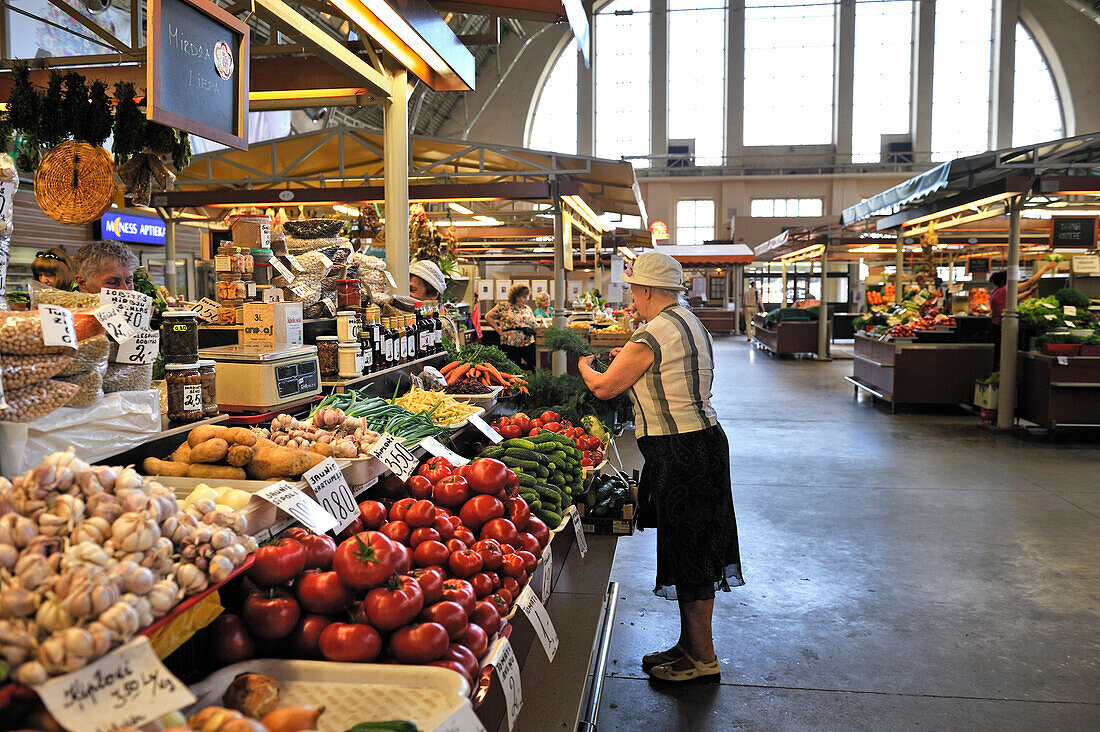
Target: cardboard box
{"type": "Point", "coordinates": [621, 523]}
{"type": "Point", "coordinates": [272, 324]}
{"type": "Point", "coordinates": [252, 232]}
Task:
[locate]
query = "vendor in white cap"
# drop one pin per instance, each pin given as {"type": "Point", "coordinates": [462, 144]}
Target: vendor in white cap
{"type": "Point", "coordinates": [684, 491]}
{"type": "Point", "coordinates": [426, 280]}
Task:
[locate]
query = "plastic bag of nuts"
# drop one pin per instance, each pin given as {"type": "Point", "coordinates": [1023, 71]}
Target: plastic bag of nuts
{"type": "Point", "coordinates": [91, 386]}
{"type": "Point", "coordinates": [90, 353]}
{"type": "Point", "coordinates": [36, 400]}
{"type": "Point", "coordinates": [21, 333]}
{"type": "Point", "coordinates": [17, 372]}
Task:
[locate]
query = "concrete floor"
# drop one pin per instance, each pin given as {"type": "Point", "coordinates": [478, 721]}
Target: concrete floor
{"type": "Point", "coordinates": [903, 571]}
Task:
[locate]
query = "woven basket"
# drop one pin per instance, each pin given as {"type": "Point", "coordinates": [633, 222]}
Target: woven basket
{"type": "Point", "coordinates": [74, 183]}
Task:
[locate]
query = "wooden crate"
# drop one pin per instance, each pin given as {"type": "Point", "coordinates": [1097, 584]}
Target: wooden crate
{"type": "Point", "coordinates": [600, 339]}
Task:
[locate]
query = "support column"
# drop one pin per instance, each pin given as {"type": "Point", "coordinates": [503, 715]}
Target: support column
{"type": "Point", "coordinates": [920, 95]}
{"type": "Point", "coordinates": [396, 174]}
{"type": "Point", "coordinates": [1003, 77]}
{"type": "Point", "coordinates": [170, 283]}
{"type": "Point", "coordinates": [1010, 322]}
{"type": "Point", "coordinates": [562, 249]}
{"type": "Point", "coordinates": [658, 81]}
{"type": "Point", "coordinates": [586, 91]}
{"type": "Point", "coordinates": [823, 308]}
{"type": "Point", "coordinates": [899, 264]}
{"type": "Point", "coordinates": [735, 85]}
{"type": "Point", "coordinates": [844, 63]}
{"type": "Point", "coordinates": [783, 286]}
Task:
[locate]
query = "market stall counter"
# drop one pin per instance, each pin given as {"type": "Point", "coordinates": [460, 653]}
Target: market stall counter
{"type": "Point", "coordinates": [785, 337]}
{"type": "Point", "coordinates": [1059, 391]}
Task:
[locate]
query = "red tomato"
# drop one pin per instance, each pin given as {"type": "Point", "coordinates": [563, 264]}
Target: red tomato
{"type": "Point", "coordinates": [487, 475]}
{"type": "Point", "coordinates": [530, 561]}
{"type": "Point", "coordinates": [400, 509]}
{"type": "Point", "coordinates": [464, 535]}
{"type": "Point", "coordinates": [319, 547]}
{"type": "Point", "coordinates": [549, 416]}
{"type": "Point", "coordinates": [502, 530]}
{"type": "Point", "coordinates": [430, 553]}
{"type": "Point", "coordinates": [305, 640]}
{"type": "Point", "coordinates": [419, 486]}
{"type": "Point", "coordinates": [529, 543]}
{"type": "Point", "coordinates": [464, 564]}
{"type": "Point", "coordinates": [461, 470]}
{"type": "Point", "coordinates": [280, 561]}
{"type": "Point", "coordinates": [511, 482]}
{"type": "Point", "coordinates": [431, 582]}
{"type": "Point", "coordinates": [510, 431]}
{"type": "Point", "coordinates": [373, 514]}
{"type": "Point", "coordinates": [365, 560]}
{"type": "Point", "coordinates": [451, 492]}
{"type": "Point", "coordinates": [510, 584]}
{"type": "Point", "coordinates": [521, 420]}
{"type": "Point", "coordinates": [506, 549]}
{"type": "Point", "coordinates": [395, 603]}
{"type": "Point", "coordinates": [435, 469]}
{"type": "Point", "coordinates": [351, 642]}
{"type": "Point", "coordinates": [421, 535]}
{"type": "Point", "coordinates": [502, 598]}
{"type": "Point", "coordinates": [449, 614]}
{"type": "Point", "coordinates": [593, 443]}
{"type": "Point", "coordinates": [512, 565]}
{"type": "Point", "coordinates": [463, 656]}
{"type": "Point", "coordinates": [535, 424]}
{"type": "Point", "coordinates": [489, 549]}
{"type": "Point", "coordinates": [421, 513]}
{"type": "Point", "coordinates": [534, 431]}
{"type": "Point", "coordinates": [597, 457]}
{"type": "Point", "coordinates": [536, 528]}
{"type": "Point", "coordinates": [552, 427]}
{"type": "Point", "coordinates": [444, 528]}
{"type": "Point", "coordinates": [350, 530]}
{"type": "Point", "coordinates": [475, 639]}
{"type": "Point", "coordinates": [479, 510]}
{"type": "Point", "coordinates": [230, 640]}
{"type": "Point", "coordinates": [586, 462]}
{"type": "Point", "coordinates": [485, 614]}
{"type": "Point", "coordinates": [404, 559]}
{"type": "Point", "coordinates": [518, 512]}
{"type": "Point", "coordinates": [455, 666]}
{"type": "Point", "coordinates": [398, 531]}
{"type": "Point", "coordinates": [495, 577]}
{"type": "Point", "coordinates": [271, 614]}
{"type": "Point", "coordinates": [421, 643]}
{"type": "Point", "coordinates": [456, 545]}
{"type": "Point", "coordinates": [482, 584]}
{"type": "Point", "coordinates": [322, 592]}
{"type": "Point", "coordinates": [460, 591]}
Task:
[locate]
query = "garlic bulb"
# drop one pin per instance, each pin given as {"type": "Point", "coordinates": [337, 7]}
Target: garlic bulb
{"type": "Point", "coordinates": [95, 529]}
{"type": "Point", "coordinates": [31, 673]}
{"type": "Point", "coordinates": [221, 538]}
{"type": "Point", "coordinates": [9, 555]}
{"type": "Point", "coordinates": [18, 641]}
{"type": "Point", "coordinates": [51, 616]}
{"type": "Point", "coordinates": [63, 514]}
{"type": "Point", "coordinates": [122, 620]}
{"type": "Point", "coordinates": [139, 581]}
{"type": "Point", "coordinates": [17, 602]}
{"type": "Point", "coordinates": [17, 530]}
{"type": "Point", "coordinates": [32, 571]}
{"type": "Point", "coordinates": [191, 579]}
{"type": "Point", "coordinates": [89, 552]}
{"type": "Point", "coordinates": [133, 532]}
{"type": "Point", "coordinates": [220, 567]}
{"type": "Point", "coordinates": [104, 506]}
{"type": "Point", "coordinates": [106, 476]}
{"type": "Point", "coordinates": [102, 638]}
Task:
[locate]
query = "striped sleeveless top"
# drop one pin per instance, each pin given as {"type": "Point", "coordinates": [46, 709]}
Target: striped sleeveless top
{"type": "Point", "coordinates": [673, 396]}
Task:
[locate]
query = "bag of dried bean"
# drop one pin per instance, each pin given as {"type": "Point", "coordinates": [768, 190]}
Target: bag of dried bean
{"type": "Point", "coordinates": [17, 372]}
{"type": "Point", "coordinates": [36, 400]}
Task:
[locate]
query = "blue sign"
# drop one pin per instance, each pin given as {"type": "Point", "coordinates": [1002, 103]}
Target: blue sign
{"type": "Point", "coordinates": [133, 229]}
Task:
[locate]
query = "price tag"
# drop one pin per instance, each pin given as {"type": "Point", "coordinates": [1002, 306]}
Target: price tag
{"type": "Point", "coordinates": [136, 307]}
{"type": "Point", "coordinates": [957, 287]}
{"type": "Point", "coordinates": [329, 306]}
{"type": "Point", "coordinates": [582, 543]}
{"type": "Point", "coordinates": [462, 719]}
{"type": "Point", "coordinates": [207, 309]}
{"type": "Point", "coordinates": [332, 492]}
{"type": "Point", "coordinates": [192, 398]}
{"type": "Point", "coordinates": [126, 688]}
{"type": "Point", "coordinates": [302, 290]}
{"type": "Point", "coordinates": [394, 455]}
{"type": "Point", "coordinates": [535, 611]}
{"type": "Point", "coordinates": [295, 263]}
{"type": "Point", "coordinates": [1063, 360]}
{"type": "Point", "coordinates": [504, 662]}
{"type": "Point", "coordinates": [114, 323]}
{"type": "Point", "coordinates": [57, 326]}
{"type": "Point", "coordinates": [325, 261]}
{"type": "Point", "coordinates": [1051, 317]}
{"type": "Point", "coordinates": [389, 278]}
{"type": "Point", "coordinates": [546, 562]}
{"type": "Point", "coordinates": [3, 402]}
{"type": "Point", "coordinates": [1048, 305]}
{"type": "Point", "coordinates": [920, 298]}
{"type": "Point", "coordinates": [435, 447]}
{"type": "Point", "coordinates": [222, 263]}
{"type": "Point", "coordinates": [1070, 310]}
{"type": "Point", "coordinates": [484, 428]}
{"type": "Point", "coordinates": [273, 294]}
{"type": "Point", "coordinates": [282, 270]}
{"type": "Point", "coordinates": [142, 348]}
{"type": "Point", "coordinates": [301, 507]}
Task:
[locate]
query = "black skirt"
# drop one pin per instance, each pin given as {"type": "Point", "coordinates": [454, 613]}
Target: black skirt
{"type": "Point", "coordinates": [685, 493]}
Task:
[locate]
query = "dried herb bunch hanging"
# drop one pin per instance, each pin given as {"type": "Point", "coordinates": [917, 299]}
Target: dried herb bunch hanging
{"type": "Point", "coordinates": [51, 123]}
{"type": "Point", "coordinates": [129, 123]}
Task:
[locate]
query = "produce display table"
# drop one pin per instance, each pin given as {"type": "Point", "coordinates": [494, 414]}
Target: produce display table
{"type": "Point", "coordinates": [903, 372]}
{"type": "Point", "coordinates": [787, 338]}
{"type": "Point", "coordinates": [388, 376]}
{"type": "Point", "coordinates": [1058, 391]}
{"type": "Point", "coordinates": [717, 320]}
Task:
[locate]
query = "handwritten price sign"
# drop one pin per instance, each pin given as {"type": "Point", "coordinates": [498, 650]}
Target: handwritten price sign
{"type": "Point", "coordinates": [126, 688]}
{"type": "Point", "coordinates": [142, 348]}
{"type": "Point", "coordinates": [332, 492]}
{"type": "Point", "coordinates": [299, 506]}
{"type": "Point", "coordinates": [135, 307]}
{"type": "Point", "coordinates": [394, 455]}
{"type": "Point", "coordinates": [504, 662]}
{"type": "Point", "coordinates": [57, 326]}
{"type": "Point", "coordinates": [533, 608]}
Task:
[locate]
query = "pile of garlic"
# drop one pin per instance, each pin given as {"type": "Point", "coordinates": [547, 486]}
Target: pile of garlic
{"type": "Point", "coordinates": [91, 554]}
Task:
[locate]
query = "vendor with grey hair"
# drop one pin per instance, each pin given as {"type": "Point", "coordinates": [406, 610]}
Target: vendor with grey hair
{"type": "Point", "coordinates": [426, 281]}
{"type": "Point", "coordinates": [105, 265]}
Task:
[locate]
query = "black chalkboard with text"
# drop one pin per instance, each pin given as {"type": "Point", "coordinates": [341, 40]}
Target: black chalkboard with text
{"type": "Point", "coordinates": [1073, 231]}
{"type": "Point", "coordinates": [198, 70]}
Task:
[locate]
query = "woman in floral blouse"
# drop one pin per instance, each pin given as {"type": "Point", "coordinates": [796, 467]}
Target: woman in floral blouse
{"type": "Point", "coordinates": [516, 324]}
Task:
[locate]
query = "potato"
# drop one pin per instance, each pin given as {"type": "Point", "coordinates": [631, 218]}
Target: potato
{"type": "Point", "coordinates": [278, 462]}
{"type": "Point", "coordinates": [321, 448]}
{"type": "Point", "coordinates": [217, 472]}
{"type": "Point", "coordinates": [315, 458]}
{"type": "Point", "coordinates": [155, 466]}
{"type": "Point", "coordinates": [239, 455]}
{"type": "Point", "coordinates": [263, 442]}
{"type": "Point", "coordinates": [239, 436]}
{"type": "Point", "coordinates": [210, 451]}
{"type": "Point", "coordinates": [182, 454]}
{"type": "Point", "coordinates": [204, 433]}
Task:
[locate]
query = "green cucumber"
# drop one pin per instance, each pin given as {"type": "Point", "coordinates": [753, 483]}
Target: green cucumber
{"type": "Point", "coordinates": [551, 519]}
{"type": "Point", "coordinates": [525, 465]}
{"type": "Point", "coordinates": [519, 442]}
{"type": "Point", "coordinates": [525, 479]}
{"type": "Point", "coordinates": [541, 471]}
{"type": "Point", "coordinates": [524, 454]}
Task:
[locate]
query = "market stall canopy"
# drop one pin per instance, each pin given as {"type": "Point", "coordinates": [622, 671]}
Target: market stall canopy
{"type": "Point", "coordinates": [709, 255]}
{"type": "Point", "coordinates": [346, 165]}
{"type": "Point", "coordinates": [979, 176]}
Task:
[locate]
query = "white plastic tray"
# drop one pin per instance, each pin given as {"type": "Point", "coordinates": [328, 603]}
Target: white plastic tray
{"type": "Point", "coordinates": [484, 399]}
{"type": "Point", "coordinates": [352, 692]}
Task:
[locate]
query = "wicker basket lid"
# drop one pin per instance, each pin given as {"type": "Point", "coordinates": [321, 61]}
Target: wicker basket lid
{"type": "Point", "coordinates": [74, 183]}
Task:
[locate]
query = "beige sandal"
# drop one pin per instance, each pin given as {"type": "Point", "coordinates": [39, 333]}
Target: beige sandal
{"type": "Point", "coordinates": [657, 658]}
{"type": "Point", "coordinates": [704, 673]}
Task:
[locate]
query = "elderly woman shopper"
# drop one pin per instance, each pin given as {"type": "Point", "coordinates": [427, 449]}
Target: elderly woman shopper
{"type": "Point", "coordinates": [685, 491]}
{"type": "Point", "coordinates": [426, 281]}
{"type": "Point", "coordinates": [516, 324]}
{"type": "Point", "coordinates": [105, 265]}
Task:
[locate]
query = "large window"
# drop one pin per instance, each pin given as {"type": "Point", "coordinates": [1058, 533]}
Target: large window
{"type": "Point", "coordinates": [1036, 114]}
{"type": "Point", "coordinates": [554, 127]}
{"type": "Point", "coordinates": [960, 78]}
{"type": "Point", "coordinates": [694, 222]}
{"type": "Point", "coordinates": [785, 207]}
{"type": "Point", "coordinates": [884, 35]}
{"type": "Point", "coordinates": [788, 72]}
{"type": "Point", "coordinates": [622, 80]}
{"type": "Point", "coordinates": [696, 76]}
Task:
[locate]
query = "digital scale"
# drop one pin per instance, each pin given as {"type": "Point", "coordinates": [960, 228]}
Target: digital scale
{"type": "Point", "coordinates": [261, 378]}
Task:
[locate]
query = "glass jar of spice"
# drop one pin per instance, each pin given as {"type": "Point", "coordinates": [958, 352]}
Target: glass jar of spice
{"type": "Point", "coordinates": [347, 326]}
{"type": "Point", "coordinates": [348, 294]}
{"type": "Point", "coordinates": [351, 360]}
{"type": "Point", "coordinates": [180, 337]}
{"type": "Point", "coordinates": [208, 381]}
{"type": "Point", "coordinates": [184, 392]}
{"type": "Point", "coordinates": [328, 355]}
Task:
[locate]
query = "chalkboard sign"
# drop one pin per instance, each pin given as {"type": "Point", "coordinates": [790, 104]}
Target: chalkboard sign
{"type": "Point", "coordinates": [1073, 231]}
{"type": "Point", "coordinates": [197, 76]}
{"type": "Point", "coordinates": [978, 265]}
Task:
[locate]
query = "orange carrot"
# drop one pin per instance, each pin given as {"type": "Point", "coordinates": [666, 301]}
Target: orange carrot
{"type": "Point", "coordinates": [449, 368]}
{"type": "Point", "coordinates": [493, 372]}
{"type": "Point", "coordinates": [457, 373]}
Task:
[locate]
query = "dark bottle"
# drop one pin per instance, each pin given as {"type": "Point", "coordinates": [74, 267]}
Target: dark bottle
{"type": "Point", "coordinates": [387, 343]}
{"type": "Point", "coordinates": [367, 348]}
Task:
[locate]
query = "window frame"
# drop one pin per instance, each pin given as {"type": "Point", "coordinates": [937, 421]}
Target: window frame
{"type": "Point", "coordinates": [713, 227]}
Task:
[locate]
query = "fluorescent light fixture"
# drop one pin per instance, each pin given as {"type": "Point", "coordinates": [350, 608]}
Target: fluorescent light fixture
{"type": "Point", "coordinates": [488, 221]}
{"type": "Point", "coordinates": [477, 221]}
{"type": "Point", "coordinates": [341, 208]}
{"type": "Point", "coordinates": [810, 252]}
{"type": "Point", "coordinates": [585, 212]}
{"type": "Point", "coordinates": [869, 248]}
{"type": "Point", "coordinates": [458, 207]}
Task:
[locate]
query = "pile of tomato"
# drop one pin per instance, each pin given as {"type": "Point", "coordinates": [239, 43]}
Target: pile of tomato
{"type": "Point", "coordinates": [424, 579]}
{"type": "Point", "coordinates": [520, 425]}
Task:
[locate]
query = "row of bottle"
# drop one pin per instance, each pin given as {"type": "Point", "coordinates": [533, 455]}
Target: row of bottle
{"type": "Point", "coordinates": [382, 342]}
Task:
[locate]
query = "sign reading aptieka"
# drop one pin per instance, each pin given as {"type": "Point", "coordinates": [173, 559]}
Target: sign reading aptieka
{"type": "Point", "coordinates": [197, 72]}
{"type": "Point", "coordinates": [133, 229]}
